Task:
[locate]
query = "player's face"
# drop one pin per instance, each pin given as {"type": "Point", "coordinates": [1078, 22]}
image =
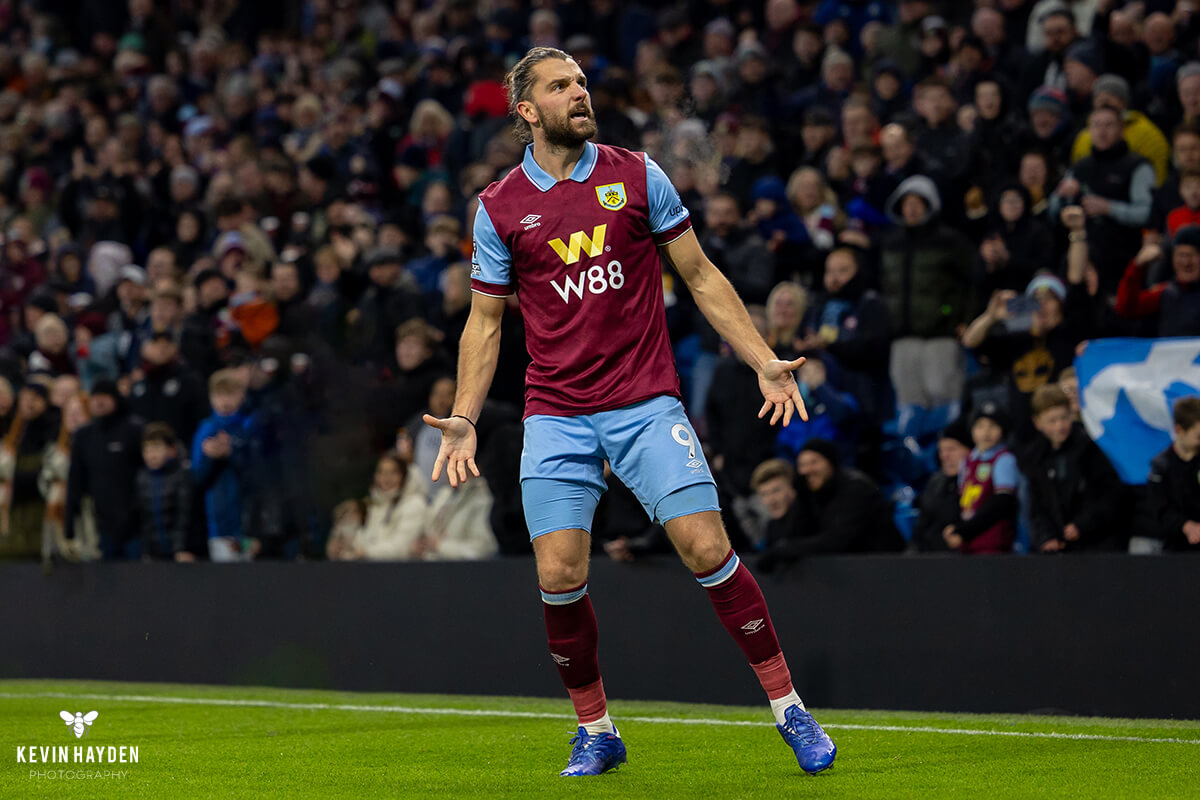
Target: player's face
{"type": "Point", "coordinates": [562, 103]}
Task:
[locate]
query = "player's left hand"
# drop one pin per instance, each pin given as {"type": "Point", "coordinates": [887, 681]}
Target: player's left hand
{"type": "Point", "coordinates": [457, 452]}
{"type": "Point", "coordinates": [780, 391]}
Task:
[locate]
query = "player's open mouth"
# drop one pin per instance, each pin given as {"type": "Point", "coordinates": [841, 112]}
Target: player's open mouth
{"type": "Point", "coordinates": [580, 116]}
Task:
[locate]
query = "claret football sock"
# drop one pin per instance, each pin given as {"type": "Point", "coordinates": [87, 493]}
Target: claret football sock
{"type": "Point", "coordinates": [574, 637]}
{"type": "Point", "coordinates": [743, 611]}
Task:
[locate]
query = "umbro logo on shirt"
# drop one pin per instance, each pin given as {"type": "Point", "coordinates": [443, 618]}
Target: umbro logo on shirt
{"type": "Point", "coordinates": [531, 221]}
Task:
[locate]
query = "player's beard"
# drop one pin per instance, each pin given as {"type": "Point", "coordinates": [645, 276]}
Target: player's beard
{"type": "Point", "coordinates": [561, 132]}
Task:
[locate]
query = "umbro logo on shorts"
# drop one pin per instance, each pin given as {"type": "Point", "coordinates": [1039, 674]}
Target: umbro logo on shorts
{"type": "Point", "coordinates": [753, 626]}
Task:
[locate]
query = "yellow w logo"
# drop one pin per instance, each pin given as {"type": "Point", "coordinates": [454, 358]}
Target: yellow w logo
{"type": "Point", "coordinates": [579, 240]}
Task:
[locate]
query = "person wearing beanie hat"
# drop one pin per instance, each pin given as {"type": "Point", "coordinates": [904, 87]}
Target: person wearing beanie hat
{"type": "Point", "coordinates": [1176, 302]}
{"type": "Point", "coordinates": [1143, 136]}
{"type": "Point", "coordinates": [838, 510]}
{"type": "Point", "coordinates": [1187, 88]}
{"type": "Point", "coordinates": [938, 502]}
{"type": "Point", "coordinates": [987, 485]}
{"type": "Point", "coordinates": [106, 455]}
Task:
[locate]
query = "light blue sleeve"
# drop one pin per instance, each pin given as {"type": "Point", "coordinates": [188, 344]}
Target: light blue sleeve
{"type": "Point", "coordinates": [491, 263]}
{"type": "Point", "coordinates": [1004, 473]}
{"type": "Point", "coordinates": [666, 208]}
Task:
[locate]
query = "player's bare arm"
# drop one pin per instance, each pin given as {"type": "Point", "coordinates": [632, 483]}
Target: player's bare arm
{"type": "Point", "coordinates": [720, 304]}
{"type": "Point", "coordinates": [477, 354]}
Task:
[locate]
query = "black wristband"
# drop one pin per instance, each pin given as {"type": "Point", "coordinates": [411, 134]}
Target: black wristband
{"type": "Point", "coordinates": [460, 416]}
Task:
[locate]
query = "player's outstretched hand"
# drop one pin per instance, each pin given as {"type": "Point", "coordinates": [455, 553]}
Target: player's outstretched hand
{"type": "Point", "coordinates": [780, 391]}
{"type": "Point", "coordinates": [457, 453]}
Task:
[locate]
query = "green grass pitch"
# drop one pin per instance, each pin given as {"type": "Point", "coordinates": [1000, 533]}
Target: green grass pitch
{"type": "Point", "coordinates": [234, 742]}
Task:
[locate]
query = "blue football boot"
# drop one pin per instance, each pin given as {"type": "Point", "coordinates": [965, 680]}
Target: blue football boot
{"type": "Point", "coordinates": [814, 749]}
{"type": "Point", "coordinates": [594, 754]}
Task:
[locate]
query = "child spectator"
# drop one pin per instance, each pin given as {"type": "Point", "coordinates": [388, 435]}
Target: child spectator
{"type": "Point", "coordinates": [987, 488]}
{"type": "Point", "coordinates": [1076, 500]}
{"type": "Point", "coordinates": [1173, 486]}
{"type": "Point", "coordinates": [1189, 212]}
{"type": "Point", "coordinates": [939, 502]}
{"type": "Point", "coordinates": [21, 455]}
{"type": "Point", "coordinates": [397, 513]}
{"type": "Point", "coordinates": [348, 518]}
{"type": "Point", "coordinates": [165, 495]}
{"type": "Point", "coordinates": [221, 458]}
{"type": "Point", "coordinates": [774, 483]}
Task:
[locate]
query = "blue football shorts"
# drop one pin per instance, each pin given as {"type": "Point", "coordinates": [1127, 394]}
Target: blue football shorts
{"type": "Point", "coordinates": [650, 446]}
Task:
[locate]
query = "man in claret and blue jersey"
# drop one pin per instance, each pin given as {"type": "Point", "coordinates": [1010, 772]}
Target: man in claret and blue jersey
{"type": "Point", "coordinates": [577, 232]}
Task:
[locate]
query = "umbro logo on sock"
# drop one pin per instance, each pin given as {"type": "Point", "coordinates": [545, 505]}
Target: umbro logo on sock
{"type": "Point", "coordinates": [564, 661]}
{"type": "Point", "coordinates": [753, 626]}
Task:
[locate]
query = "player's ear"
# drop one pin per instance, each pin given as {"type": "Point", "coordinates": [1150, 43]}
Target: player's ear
{"type": "Point", "coordinates": [527, 111]}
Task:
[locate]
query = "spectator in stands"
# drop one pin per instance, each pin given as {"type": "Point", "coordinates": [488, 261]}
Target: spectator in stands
{"type": "Point", "coordinates": [21, 455]}
{"type": "Point", "coordinates": [222, 453]}
{"type": "Point", "coordinates": [1173, 486]}
{"type": "Point", "coordinates": [1114, 186]}
{"type": "Point", "coordinates": [841, 511]}
{"type": "Point", "coordinates": [849, 322]}
{"type": "Point", "coordinates": [1185, 157]}
{"type": "Point", "coordinates": [939, 502]}
{"type": "Point", "coordinates": [927, 292]}
{"type": "Point", "coordinates": [391, 298]}
{"type": "Point", "coordinates": [1143, 136]}
{"type": "Point", "coordinates": [106, 455]}
{"type": "Point", "coordinates": [774, 484]}
{"type": "Point", "coordinates": [1055, 32]}
{"type": "Point", "coordinates": [987, 488]}
{"type": "Point", "coordinates": [52, 483]}
{"type": "Point", "coordinates": [52, 357]}
{"type": "Point", "coordinates": [1031, 346]}
{"type": "Point", "coordinates": [1017, 247]}
{"type": "Point", "coordinates": [940, 140]}
{"type": "Point", "coordinates": [785, 311]}
{"type": "Point", "coordinates": [459, 526]}
{"type": "Point", "coordinates": [1176, 302]}
{"type": "Point", "coordinates": [1188, 211]}
{"type": "Point", "coordinates": [168, 392]}
{"type": "Point", "coordinates": [397, 514]}
{"type": "Point", "coordinates": [1076, 500]}
{"type": "Point", "coordinates": [833, 412]}
{"type": "Point", "coordinates": [1050, 128]}
{"type": "Point", "coordinates": [165, 491]}
{"type": "Point", "coordinates": [816, 204]}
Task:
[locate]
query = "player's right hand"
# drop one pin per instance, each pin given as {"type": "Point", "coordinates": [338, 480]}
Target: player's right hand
{"type": "Point", "coordinates": [457, 452]}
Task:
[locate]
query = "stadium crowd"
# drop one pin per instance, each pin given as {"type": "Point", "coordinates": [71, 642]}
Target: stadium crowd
{"type": "Point", "coordinates": [236, 243]}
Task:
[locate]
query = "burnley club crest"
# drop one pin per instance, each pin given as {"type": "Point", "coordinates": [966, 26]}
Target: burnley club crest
{"type": "Point", "coordinates": [611, 196]}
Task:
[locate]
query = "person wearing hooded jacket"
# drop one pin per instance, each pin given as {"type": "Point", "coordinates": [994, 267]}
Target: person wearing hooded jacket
{"type": "Point", "coordinates": [1018, 245]}
{"type": "Point", "coordinates": [924, 276]}
{"type": "Point", "coordinates": [837, 510]}
{"type": "Point", "coordinates": [106, 455]}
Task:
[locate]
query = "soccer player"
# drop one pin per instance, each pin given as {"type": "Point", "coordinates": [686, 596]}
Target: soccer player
{"type": "Point", "coordinates": [576, 231]}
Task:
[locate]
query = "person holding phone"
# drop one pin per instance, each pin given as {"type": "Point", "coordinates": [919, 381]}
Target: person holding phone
{"type": "Point", "coordinates": [1028, 339]}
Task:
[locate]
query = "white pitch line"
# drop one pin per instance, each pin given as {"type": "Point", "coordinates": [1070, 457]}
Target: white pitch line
{"type": "Point", "coordinates": [472, 712]}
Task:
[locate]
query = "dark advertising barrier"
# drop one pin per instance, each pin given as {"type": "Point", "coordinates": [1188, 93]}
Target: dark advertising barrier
{"type": "Point", "coordinates": [1089, 635]}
